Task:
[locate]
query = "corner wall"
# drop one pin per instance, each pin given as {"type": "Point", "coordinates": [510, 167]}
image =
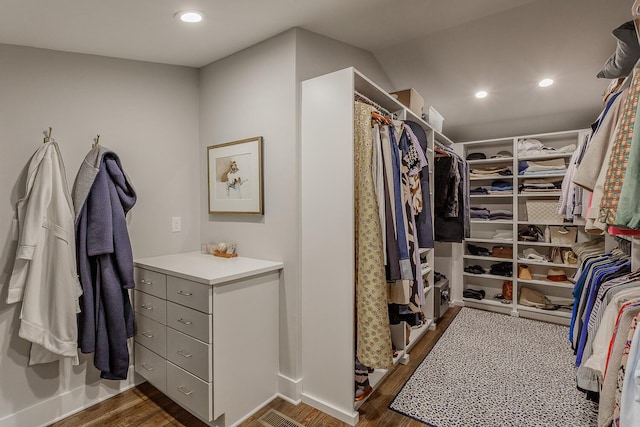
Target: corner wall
{"type": "Point", "coordinates": [148, 114]}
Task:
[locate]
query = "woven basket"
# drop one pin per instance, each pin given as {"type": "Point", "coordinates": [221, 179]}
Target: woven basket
{"type": "Point", "coordinates": [543, 211]}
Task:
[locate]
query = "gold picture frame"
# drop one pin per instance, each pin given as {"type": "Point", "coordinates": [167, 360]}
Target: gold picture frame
{"type": "Point", "coordinates": [234, 172]}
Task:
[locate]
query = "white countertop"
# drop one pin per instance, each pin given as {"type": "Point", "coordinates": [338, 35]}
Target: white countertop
{"type": "Point", "coordinates": [207, 269]}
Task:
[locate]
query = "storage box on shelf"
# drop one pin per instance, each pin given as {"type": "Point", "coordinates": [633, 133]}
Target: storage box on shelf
{"type": "Point", "coordinates": [529, 207]}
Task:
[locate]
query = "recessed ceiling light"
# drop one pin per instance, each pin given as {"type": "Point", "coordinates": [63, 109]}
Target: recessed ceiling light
{"type": "Point", "coordinates": [481, 94]}
{"type": "Point", "coordinates": [545, 82]}
{"type": "Point", "coordinates": [190, 16]}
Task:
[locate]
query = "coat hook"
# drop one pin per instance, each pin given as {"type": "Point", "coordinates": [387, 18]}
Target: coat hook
{"type": "Point", "coordinates": [97, 141]}
{"type": "Point", "coordinates": [48, 137]}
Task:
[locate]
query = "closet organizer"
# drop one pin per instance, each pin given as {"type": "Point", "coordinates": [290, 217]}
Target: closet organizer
{"type": "Point", "coordinates": [328, 248]}
{"type": "Point", "coordinates": [506, 203]}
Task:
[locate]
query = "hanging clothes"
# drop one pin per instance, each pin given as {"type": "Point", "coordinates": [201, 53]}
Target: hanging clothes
{"type": "Point", "coordinates": [103, 195]}
{"type": "Point", "coordinates": [620, 154]}
{"type": "Point", "coordinates": [451, 201]}
{"type": "Point", "coordinates": [424, 220]}
{"type": "Point", "coordinates": [44, 273]}
{"type": "Point", "coordinates": [373, 337]}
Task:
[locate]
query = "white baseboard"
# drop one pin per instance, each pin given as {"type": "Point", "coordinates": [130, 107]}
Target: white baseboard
{"type": "Point", "coordinates": [350, 418]}
{"type": "Point", "coordinates": [290, 389]}
{"type": "Point", "coordinates": [66, 404]}
{"type": "Point", "coordinates": [250, 414]}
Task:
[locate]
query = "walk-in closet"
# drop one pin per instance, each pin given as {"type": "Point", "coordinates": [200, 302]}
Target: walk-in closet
{"type": "Point", "coordinates": [362, 213]}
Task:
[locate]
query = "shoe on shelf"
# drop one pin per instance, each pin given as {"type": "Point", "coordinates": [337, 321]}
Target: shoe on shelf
{"type": "Point", "coordinates": [474, 294]}
{"type": "Point", "coordinates": [475, 269]}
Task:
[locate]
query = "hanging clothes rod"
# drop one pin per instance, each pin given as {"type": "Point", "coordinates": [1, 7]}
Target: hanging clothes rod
{"type": "Point", "coordinates": [379, 107]}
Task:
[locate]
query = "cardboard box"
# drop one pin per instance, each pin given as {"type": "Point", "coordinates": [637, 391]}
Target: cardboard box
{"type": "Point", "coordinates": [410, 99]}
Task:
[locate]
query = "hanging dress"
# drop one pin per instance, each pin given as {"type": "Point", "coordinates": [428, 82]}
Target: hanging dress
{"type": "Point", "coordinates": [373, 338]}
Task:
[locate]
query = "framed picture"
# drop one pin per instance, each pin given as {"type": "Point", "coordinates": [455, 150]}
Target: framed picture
{"type": "Point", "coordinates": [235, 177]}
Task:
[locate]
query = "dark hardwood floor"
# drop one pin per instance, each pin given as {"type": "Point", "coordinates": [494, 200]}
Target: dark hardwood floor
{"type": "Point", "coordinates": [145, 406]}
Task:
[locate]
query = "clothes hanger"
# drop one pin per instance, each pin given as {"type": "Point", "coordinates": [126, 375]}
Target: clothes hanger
{"type": "Point", "coordinates": [375, 115]}
{"type": "Point", "coordinates": [96, 141]}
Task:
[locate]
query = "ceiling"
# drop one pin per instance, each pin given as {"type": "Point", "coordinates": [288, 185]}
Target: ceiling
{"type": "Point", "coordinates": [446, 49]}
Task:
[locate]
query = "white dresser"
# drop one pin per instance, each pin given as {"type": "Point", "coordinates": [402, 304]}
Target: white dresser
{"type": "Point", "coordinates": [207, 332]}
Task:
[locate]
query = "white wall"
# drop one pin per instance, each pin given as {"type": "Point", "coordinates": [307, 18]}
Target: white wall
{"type": "Point", "coordinates": [148, 114]}
{"type": "Point", "coordinates": [317, 55]}
{"type": "Point", "coordinates": [255, 92]}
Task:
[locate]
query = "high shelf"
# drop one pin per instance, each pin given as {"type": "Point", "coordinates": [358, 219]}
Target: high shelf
{"type": "Point", "coordinates": [483, 232]}
{"type": "Point", "coordinates": [328, 242]}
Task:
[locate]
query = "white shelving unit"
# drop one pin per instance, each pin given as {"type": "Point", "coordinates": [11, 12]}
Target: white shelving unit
{"type": "Point", "coordinates": [327, 252]}
{"type": "Point", "coordinates": [482, 230]}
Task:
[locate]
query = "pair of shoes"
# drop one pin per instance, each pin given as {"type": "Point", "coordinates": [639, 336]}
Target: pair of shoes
{"type": "Point", "coordinates": [473, 293]}
{"type": "Point", "coordinates": [478, 250]}
{"type": "Point", "coordinates": [502, 269]}
{"type": "Point", "coordinates": [363, 393]}
{"type": "Point", "coordinates": [475, 269]}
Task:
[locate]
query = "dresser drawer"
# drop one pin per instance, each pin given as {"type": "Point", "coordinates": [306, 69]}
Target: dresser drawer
{"type": "Point", "coordinates": [192, 294]}
{"type": "Point", "coordinates": [190, 354]}
{"type": "Point", "coordinates": [189, 391]}
{"type": "Point", "coordinates": [150, 306]}
{"type": "Point", "coordinates": [151, 282]}
{"type": "Point", "coordinates": [152, 367]}
{"type": "Point", "coordinates": [189, 321]}
{"type": "Point", "coordinates": [151, 334]}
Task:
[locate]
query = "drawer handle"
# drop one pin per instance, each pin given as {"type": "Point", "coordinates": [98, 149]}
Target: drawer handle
{"type": "Point", "coordinates": [147, 307]}
{"type": "Point", "coordinates": [146, 282]}
{"type": "Point", "coordinates": [186, 294]}
{"type": "Point", "coordinates": [147, 367]}
{"type": "Point", "coordinates": [183, 354]}
{"type": "Point", "coordinates": [186, 322]}
{"type": "Point", "coordinates": [185, 391]}
{"type": "Point", "coordinates": [147, 334]}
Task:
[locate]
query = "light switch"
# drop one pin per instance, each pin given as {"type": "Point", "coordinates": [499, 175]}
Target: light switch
{"type": "Point", "coordinates": [176, 224]}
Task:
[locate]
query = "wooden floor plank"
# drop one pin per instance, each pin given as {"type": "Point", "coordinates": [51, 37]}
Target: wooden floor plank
{"type": "Point", "coordinates": [145, 406]}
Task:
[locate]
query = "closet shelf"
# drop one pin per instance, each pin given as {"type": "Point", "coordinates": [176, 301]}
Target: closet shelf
{"type": "Point", "coordinates": [488, 258]}
{"type": "Point", "coordinates": [546, 223]}
{"type": "Point", "coordinates": [542, 175]}
{"type": "Point", "coordinates": [545, 157]}
{"type": "Point", "coordinates": [487, 276]}
{"type": "Point", "coordinates": [489, 240]}
{"type": "Point", "coordinates": [490, 177]}
{"type": "Point", "coordinates": [424, 250]}
{"type": "Point", "coordinates": [565, 313]}
{"type": "Point", "coordinates": [547, 264]}
{"type": "Point", "coordinates": [490, 221]}
{"type": "Point", "coordinates": [566, 284]}
{"type": "Point", "coordinates": [502, 196]}
{"type": "Point", "coordinates": [491, 161]}
{"type": "Point", "coordinates": [426, 270]}
{"type": "Point", "coordinates": [555, 245]}
{"type": "Point", "coordinates": [541, 194]}
{"type": "Point", "coordinates": [487, 302]}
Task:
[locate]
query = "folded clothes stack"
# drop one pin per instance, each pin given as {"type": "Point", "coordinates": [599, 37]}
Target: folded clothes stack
{"type": "Point", "coordinates": [500, 214]}
{"type": "Point", "coordinates": [540, 185]}
{"type": "Point", "coordinates": [501, 187]}
{"type": "Point", "coordinates": [489, 172]}
{"type": "Point", "coordinates": [543, 167]}
{"type": "Point", "coordinates": [533, 147]}
{"type": "Point", "coordinates": [479, 191]}
{"type": "Point", "coordinates": [479, 213]}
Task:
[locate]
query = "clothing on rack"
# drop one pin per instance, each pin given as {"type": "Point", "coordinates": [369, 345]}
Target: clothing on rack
{"type": "Point", "coordinates": [451, 201]}
{"type": "Point", "coordinates": [373, 339]}
{"type": "Point", "coordinates": [102, 196]}
{"type": "Point", "coordinates": [44, 276]}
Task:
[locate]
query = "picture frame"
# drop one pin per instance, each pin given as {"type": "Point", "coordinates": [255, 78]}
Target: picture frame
{"type": "Point", "coordinates": [235, 177]}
